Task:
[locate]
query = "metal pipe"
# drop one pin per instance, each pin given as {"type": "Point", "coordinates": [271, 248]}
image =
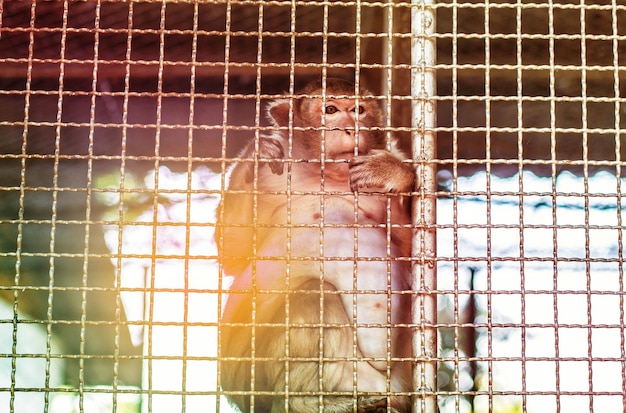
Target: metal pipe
{"type": "Point", "coordinates": [423, 118]}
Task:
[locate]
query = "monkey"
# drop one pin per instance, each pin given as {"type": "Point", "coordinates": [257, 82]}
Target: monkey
{"type": "Point", "coordinates": [313, 227]}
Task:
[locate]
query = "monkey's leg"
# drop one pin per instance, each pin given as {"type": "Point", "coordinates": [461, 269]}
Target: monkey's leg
{"type": "Point", "coordinates": [288, 358]}
{"type": "Point", "coordinates": [302, 356]}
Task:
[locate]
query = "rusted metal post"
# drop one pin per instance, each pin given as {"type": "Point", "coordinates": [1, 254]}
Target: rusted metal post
{"type": "Point", "coordinates": [424, 206]}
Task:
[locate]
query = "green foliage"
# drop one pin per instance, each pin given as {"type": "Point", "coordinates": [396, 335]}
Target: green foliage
{"type": "Point", "coordinates": [126, 199]}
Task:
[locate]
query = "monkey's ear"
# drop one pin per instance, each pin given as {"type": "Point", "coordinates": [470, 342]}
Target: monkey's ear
{"type": "Point", "coordinates": [278, 112]}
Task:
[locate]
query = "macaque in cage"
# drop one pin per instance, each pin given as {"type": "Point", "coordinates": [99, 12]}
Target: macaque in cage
{"type": "Point", "coordinates": [314, 234]}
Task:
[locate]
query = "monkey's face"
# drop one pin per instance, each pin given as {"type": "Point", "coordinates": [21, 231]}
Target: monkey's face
{"type": "Point", "coordinates": [340, 128]}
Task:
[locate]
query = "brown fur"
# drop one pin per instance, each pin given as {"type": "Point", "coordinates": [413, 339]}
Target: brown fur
{"type": "Point", "coordinates": [288, 330]}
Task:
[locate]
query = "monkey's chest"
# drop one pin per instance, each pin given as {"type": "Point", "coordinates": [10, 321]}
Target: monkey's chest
{"type": "Point", "coordinates": [341, 210]}
{"type": "Point", "coordinates": [345, 234]}
{"type": "Point", "coordinates": [343, 224]}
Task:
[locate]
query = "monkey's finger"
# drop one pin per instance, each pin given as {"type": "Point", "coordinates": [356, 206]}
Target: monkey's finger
{"type": "Point", "coordinates": [361, 180]}
{"type": "Point", "coordinates": [358, 160]}
{"type": "Point", "coordinates": [277, 167]}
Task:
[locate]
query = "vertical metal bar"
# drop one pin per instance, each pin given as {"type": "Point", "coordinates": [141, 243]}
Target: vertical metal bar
{"type": "Point", "coordinates": [292, 61]}
{"type": "Point", "coordinates": [585, 158]}
{"type": "Point", "coordinates": [86, 240]}
{"type": "Point", "coordinates": [223, 184]}
{"type": "Point", "coordinates": [489, 205]}
{"type": "Point", "coordinates": [122, 187]}
{"type": "Point", "coordinates": [424, 212]}
{"type": "Point", "coordinates": [387, 88]}
{"type": "Point", "coordinates": [524, 332]}
{"type": "Point", "coordinates": [322, 253]}
{"type": "Point", "coordinates": [553, 165]}
{"type": "Point", "coordinates": [618, 181]}
{"type": "Point", "coordinates": [188, 220]}
{"type": "Point", "coordinates": [53, 225]}
{"type": "Point", "coordinates": [21, 205]}
{"type": "Point", "coordinates": [255, 185]}
{"type": "Point", "coordinates": [150, 316]}
{"type": "Point", "coordinates": [455, 208]}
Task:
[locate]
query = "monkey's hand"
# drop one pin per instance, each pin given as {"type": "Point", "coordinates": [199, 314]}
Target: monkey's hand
{"type": "Point", "coordinates": [381, 170]}
{"type": "Point", "coordinates": [272, 149]}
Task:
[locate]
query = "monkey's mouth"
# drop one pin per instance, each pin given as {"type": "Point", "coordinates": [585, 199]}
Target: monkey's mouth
{"type": "Point", "coordinates": [343, 155]}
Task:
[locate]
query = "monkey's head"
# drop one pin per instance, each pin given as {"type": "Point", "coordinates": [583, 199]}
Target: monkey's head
{"type": "Point", "coordinates": [333, 117]}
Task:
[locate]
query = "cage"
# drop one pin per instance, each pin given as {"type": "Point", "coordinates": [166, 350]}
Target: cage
{"type": "Point", "coordinates": [121, 123]}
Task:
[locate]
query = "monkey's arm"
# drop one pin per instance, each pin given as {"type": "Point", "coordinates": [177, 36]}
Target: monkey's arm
{"type": "Point", "coordinates": [381, 169]}
{"type": "Point", "coordinates": [270, 148]}
{"type": "Point", "coordinates": [235, 231]}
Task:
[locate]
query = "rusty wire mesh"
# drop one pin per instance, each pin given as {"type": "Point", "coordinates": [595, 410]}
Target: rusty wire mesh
{"type": "Point", "coordinates": [118, 121]}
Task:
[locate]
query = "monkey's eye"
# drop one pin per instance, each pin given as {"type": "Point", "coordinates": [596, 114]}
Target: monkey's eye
{"type": "Point", "coordinates": [360, 109]}
{"type": "Point", "coordinates": [330, 109]}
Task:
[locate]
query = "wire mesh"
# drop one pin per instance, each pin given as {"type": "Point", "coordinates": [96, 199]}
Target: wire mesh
{"type": "Point", "coordinates": [120, 121]}
{"type": "Point", "coordinates": [531, 99]}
